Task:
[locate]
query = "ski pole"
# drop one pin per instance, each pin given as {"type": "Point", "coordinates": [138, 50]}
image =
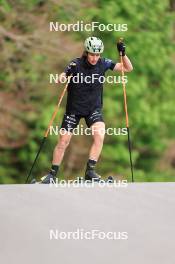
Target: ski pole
{"type": "Point", "coordinates": [47, 130]}
{"type": "Point", "coordinates": [126, 114]}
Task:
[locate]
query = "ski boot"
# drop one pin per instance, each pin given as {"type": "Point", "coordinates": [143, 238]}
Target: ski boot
{"type": "Point", "coordinates": [49, 178]}
{"type": "Point", "coordinates": [91, 175]}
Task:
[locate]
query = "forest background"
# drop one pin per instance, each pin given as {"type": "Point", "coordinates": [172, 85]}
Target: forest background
{"type": "Point", "coordinates": [30, 52]}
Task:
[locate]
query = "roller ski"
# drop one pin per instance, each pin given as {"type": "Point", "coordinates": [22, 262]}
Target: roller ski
{"type": "Point", "coordinates": [47, 179]}
{"type": "Point", "coordinates": [92, 176]}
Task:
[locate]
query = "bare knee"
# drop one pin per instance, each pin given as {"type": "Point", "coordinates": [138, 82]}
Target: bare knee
{"type": "Point", "coordinates": [63, 143]}
{"type": "Point", "coordinates": [98, 139]}
{"type": "Point", "coordinates": [99, 133]}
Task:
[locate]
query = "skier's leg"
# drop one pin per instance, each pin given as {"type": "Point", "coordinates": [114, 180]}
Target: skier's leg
{"type": "Point", "coordinates": [68, 124]}
{"type": "Point", "coordinates": [60, 148]}
{"type": "Point", "coordinates": [98, 133]}
{"type": "Point", "coordinates": [58, 155]}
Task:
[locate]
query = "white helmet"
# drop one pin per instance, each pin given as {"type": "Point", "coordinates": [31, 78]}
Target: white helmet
{"type": "Point", "coordinates": [93, 45]}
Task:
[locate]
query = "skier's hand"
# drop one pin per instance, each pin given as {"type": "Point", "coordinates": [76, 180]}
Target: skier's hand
{"type": "Point", "coordinates": [70, 69]}
{"type": "Point", "coordinates": [121, 47]}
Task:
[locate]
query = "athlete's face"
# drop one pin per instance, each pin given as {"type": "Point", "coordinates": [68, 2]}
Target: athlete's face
{"type": "Point", "coordinates": [93, 58]}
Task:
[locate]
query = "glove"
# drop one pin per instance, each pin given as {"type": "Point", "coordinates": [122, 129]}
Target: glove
{"type": "Point", "coordinates": [121, 47]}
{"type": "Point", "coordinates": [70, 69]}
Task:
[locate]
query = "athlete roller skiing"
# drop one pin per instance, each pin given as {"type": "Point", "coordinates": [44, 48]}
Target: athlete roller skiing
{"type": "Point", "coordinates": [85, 100]}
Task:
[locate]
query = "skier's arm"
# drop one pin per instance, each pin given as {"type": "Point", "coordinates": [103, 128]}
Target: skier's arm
{"type": "Point", "coordinates": [69, 70]}
{"type": "Point", "coordinates": [63, 77]}
{"type": "Point", "coordinates": [127, 65]}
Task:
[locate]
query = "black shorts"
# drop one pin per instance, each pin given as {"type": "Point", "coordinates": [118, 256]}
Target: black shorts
{"type": "Point", "coordinates": [71, 121]}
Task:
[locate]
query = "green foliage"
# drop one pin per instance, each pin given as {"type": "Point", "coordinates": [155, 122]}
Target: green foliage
{"type": "Point", "coordinates": [30, 53]}
{"type": "Point", "coordinates": [5, 5]}
{"type": "Point", "coordinates": [150, 88]}
{"type": "Point", "coordinates": [29, 4]}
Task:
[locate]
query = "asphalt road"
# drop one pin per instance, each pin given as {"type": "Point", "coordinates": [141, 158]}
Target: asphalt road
{"type": "Point", "coordinates": [143, 214]}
